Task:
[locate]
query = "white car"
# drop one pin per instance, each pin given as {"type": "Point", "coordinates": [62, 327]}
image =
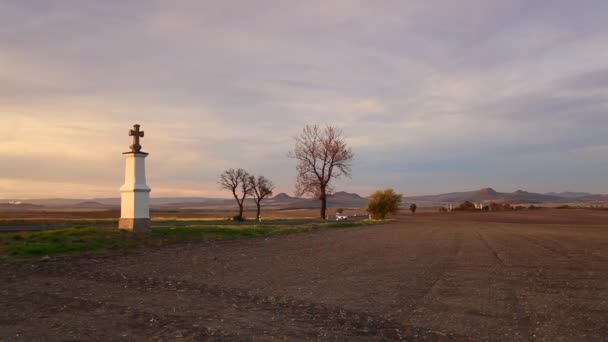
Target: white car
{"type": "Point", "coordinates": [341, 217]}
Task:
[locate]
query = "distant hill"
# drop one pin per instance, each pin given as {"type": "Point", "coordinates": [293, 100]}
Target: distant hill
{"type": "Point", "coordinates": [569, 194]}
{"type": "Point", "coordinates": [343, 199]}
{"type": "Point", "coordinates": [477, 195]}
{"type": "Point", "coordinates": [591, 199]}
{"type": "Point", "coordinates": [79, 202]}
{"type": "Point", "coordinates": [345, 195]}
{"type": "Point", "coordinates": [282, 197]}
{"type": "Point", "coordinates": [91, 205]}
{"type": "Point", "coordinates": [519, 196]}
{"type": "Point", "coordinates": [18, 206]}
{"type": "Point", "coordinates": [340, 199]}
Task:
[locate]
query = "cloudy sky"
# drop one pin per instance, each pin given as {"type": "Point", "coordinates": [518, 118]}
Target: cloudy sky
{"type": "Point", "coordinates": [434, 96]}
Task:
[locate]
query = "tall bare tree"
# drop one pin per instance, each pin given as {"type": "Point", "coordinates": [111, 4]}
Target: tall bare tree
{"type": "Point", "coordinates": [237, 181]}
{"type": "Point", "coordinates": [322, 155]}
{"type": "Point", "coordinates": [262, 187]}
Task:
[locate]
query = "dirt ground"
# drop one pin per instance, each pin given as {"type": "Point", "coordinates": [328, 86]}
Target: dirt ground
{"type": "Point", "coordinates": [515, 276]}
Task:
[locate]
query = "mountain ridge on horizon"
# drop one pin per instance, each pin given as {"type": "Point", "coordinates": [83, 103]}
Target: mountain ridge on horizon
{"type": "Point", "coordinates": [345, 199]}
{"type": "Point", "coordinates": [517, 196]}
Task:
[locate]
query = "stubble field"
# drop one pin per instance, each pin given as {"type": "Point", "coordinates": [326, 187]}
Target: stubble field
{"type": "Point", "coordinates": [538, 275]}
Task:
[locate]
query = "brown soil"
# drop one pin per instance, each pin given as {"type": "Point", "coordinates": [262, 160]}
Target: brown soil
{"type": "Point", "coordinates": [485, 276]}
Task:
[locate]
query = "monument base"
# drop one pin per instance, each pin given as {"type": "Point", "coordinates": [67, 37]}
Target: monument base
{"type": "Point", "coordinates": [136, 225]}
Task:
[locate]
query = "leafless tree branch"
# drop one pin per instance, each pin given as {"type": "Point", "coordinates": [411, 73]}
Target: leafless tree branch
{"type": "Point", "coordinates": [262, 187]}
{"type": "Point", "coordinates": [237, 182]}
{"type": "Point", "coordinates": [322, 155]}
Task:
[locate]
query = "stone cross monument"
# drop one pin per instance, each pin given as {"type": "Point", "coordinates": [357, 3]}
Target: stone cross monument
{"type": "Point", "coordinates": [135, 193]}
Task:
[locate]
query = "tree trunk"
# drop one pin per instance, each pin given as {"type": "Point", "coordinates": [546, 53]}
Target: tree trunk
{"type": "Point", "coordinates": [323, 207]}
{"type": "Point", "coordinates": [258, 214]}
{"type": "Point", "coordinates": [241, 211]}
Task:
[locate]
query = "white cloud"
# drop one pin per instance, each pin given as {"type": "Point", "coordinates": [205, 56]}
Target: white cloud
{"type": "Point", "coordinates": [416, 86]}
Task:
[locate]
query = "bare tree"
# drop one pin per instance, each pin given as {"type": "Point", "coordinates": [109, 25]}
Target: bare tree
{"type": "Point", "coordinates": [262, 187]}
{"type": "Point", "coordinates": [237, 181]}
{"type": "Point", "coordinates": [322, 155]}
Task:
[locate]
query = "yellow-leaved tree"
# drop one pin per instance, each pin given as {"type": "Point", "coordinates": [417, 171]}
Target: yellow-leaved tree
{"type": "Point", "coordinates": [383, 202]}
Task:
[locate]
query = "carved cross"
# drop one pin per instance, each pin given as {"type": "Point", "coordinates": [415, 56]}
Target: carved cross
{"type": "Point", "coordinates": [136, 134]}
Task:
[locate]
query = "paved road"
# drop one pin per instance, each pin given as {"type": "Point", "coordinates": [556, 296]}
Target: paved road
{"type": "Point", "coordinates": [423, 278]}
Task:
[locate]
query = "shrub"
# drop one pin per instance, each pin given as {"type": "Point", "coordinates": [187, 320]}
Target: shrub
{"type": "Point", "coordinates": [238, 218]}
{"type": "Point", "coordinates": [413, 208]}
{"type": "Point", "coordinates": [466, 206]}
{"type": "Point", "coordinates": [382, 203]}
{"type": "Point", "coordinates": [495, 206]}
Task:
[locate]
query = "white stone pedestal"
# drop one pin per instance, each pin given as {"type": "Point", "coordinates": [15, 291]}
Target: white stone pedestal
{"type": "Point", "coordinates": [135, 195]}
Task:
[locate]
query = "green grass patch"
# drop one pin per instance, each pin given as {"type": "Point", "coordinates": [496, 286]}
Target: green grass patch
{"type": "Point", "coordinates": [57, 223]}
{"type": "Point", "coordinates": [79, 240]}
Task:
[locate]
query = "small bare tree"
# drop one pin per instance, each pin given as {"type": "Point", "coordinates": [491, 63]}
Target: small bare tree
{"type": "Point", "coordinates": [237, 181]}
{"type": "Point", "coordinates": [322, 155]}
{"type": "Point", "coordinates": [261, 188]}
